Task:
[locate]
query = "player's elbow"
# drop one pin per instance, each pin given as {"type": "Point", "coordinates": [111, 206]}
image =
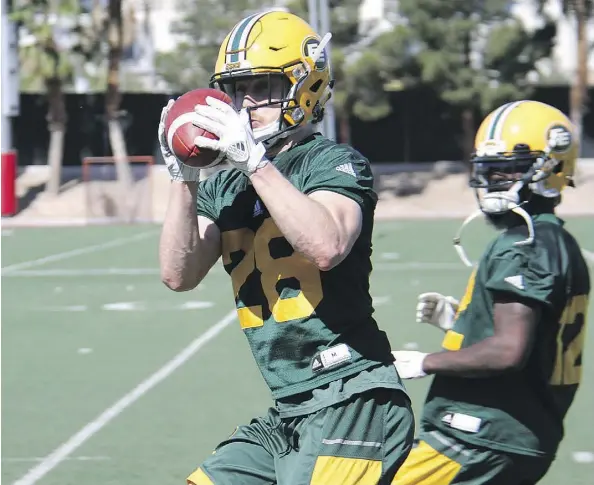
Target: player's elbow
{"type": "Point", "coordinates": [176, 283]}
{"type": "Point", "coordinates": [512, 357]}
{"type": "Point", "coordinates": [326, 263]}
{"type": "Point", "coordinates": [330, 257]}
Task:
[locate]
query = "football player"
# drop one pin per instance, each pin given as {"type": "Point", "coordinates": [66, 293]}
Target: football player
{"type": "Point", "coordinates": [292, 219]}
{"type": "Point", "coordinates": [512, 351]}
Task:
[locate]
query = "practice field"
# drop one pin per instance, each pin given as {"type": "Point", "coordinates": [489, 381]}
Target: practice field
{"type": "Point", "coordinates": [109, 378]}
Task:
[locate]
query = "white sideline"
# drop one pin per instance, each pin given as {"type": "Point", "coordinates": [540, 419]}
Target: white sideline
{"type": "Point", "coordinates": [76, 252]}
{"type": "Point", "coordinates": [65, 449]}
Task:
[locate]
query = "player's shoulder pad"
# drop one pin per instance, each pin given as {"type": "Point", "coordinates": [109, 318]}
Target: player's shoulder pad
{"type": "Point", "coordinates": [343, 158]}
{"type": "Point", "coordinates": [507, 242]}
{"type": "Point", "coordinates": [536, 256]}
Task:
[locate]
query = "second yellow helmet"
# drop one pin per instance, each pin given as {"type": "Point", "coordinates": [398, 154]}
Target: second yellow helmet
{"type": "Point", "coordinates": [528, 137]}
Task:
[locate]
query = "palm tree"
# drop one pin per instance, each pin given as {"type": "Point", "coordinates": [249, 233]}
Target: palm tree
{"type": "Point", "coordinates": [45, 66]}
{"type": "Point", "coordinates": [579, 87]}
{"type": "Point", "coordinates": [54, 45]}
{"type": "Point", "coordinates": [115, 40]}
{"type": "Point", "coordinates": [582, 11]}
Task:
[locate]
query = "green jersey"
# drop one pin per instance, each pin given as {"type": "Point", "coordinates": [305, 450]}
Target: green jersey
{"type": "Point", "coordinates": [305, 327]}
{"type": "Point", "coordinates": [520, 412]}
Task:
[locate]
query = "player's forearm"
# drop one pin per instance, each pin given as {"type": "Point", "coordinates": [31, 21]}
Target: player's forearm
{"type": "Point", "coordinates": [486, 358]}
{"type": "Point", "coordinates": [305, 223]}
{"type": "Point", "coordinates": [179, 247]}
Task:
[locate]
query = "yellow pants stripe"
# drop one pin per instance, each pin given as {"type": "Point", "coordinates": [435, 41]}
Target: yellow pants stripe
{"type": "Point", "coordinates": [199, 478]}
{"type": "Point", "coordinates": [426, 466]}
{"type": "Point", "coordinates": [346, 471]}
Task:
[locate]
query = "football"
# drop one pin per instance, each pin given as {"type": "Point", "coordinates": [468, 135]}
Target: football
{"type": "Point", "coordinates": [181, 132]}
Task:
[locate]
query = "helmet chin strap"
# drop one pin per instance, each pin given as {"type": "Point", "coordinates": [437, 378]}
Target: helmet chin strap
{"type": "Point", "coordinates": [269, 134]}
{"type": "Point", "coordinates": [495, 203]}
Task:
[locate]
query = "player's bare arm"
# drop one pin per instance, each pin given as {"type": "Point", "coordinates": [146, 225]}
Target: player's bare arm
{"type": "Point", "coordinates": [190, 245]}
{"type": "Point", "coordinates": [506, 351]}
{"type": "Point", "coordinates": [322, 226]}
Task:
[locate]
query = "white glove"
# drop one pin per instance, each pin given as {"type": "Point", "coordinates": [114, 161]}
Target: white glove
{"type": "Point", "coordinates": [177, 170]}
{"type": "Point", "coordinates": [409, 363]}
{"type": "Point", "coordinates": [236, 138]}
{"type": "Point", "coordinates": [437, 309]}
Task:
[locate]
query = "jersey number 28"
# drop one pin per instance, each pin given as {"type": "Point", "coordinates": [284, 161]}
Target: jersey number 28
{"type": "Point", "coordinates": [256, 249]}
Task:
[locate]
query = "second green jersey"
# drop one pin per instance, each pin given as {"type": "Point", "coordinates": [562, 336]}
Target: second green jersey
{"type": "Point", "coordinates": [523, 411]}
{"type": "Point", "coordinates": [305, 327]}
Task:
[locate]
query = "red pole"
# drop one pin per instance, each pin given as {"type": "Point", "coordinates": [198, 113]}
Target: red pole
{"type": "Point", "coordinates": [9, 174]}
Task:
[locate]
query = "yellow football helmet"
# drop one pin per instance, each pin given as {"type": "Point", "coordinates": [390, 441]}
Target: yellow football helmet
{"type": "Point", "coordinates": [278, 43]}
{"type": "Point", "coordinates": [526, 137]}
{"type": "Point", "coordinates": [521, 148]}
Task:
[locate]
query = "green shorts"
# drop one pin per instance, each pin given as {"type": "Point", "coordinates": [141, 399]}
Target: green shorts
{"type": "Point", "coordinates": [363, 440]}
{"type": "Point", "coordinates": [437, 459]}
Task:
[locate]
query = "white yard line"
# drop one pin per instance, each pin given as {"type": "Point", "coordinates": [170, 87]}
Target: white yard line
{"type": "Point", "coordinates": [41, 458]}
{"type": "Point", "coordinates": [377, 266]}
{"type": "Point", "coordinates": [62, 272]}
{"type": "Point", "coordinates": [63, 451]}
{"type": "Point", "coordinates": [418, 265]}
{"type": "Point", "coordinates": [76, 252]}
{"type": "Point", "coordinates": [59, 272]}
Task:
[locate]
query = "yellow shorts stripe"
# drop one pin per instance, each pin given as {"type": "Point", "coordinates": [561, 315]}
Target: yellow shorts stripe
{"type": "Point", "coordinates": [346, 471]}
{"type": "Point", "coordinates": [250, 317]}
{"type": "Point", "coordinates": [199, 478]}
{"type": "Point", "coordinates": [426, 466]}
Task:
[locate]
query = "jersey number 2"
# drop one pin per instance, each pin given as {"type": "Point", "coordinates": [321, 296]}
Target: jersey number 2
{"type": "Point", "coordinates": [255, 247]}
{"type": "Point", "coordinates": [570, 343]}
